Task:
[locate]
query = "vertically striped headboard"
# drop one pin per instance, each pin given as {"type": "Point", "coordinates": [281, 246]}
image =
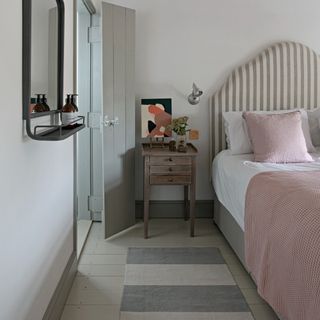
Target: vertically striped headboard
{"type": "Point", "coordinates": [283, 76]}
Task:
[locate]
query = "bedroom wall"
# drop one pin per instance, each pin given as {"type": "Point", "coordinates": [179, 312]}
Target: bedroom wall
{"type": "Point", "coordinates": [181, 41]}
{"type": "Point", "coordinates": [36, 187]}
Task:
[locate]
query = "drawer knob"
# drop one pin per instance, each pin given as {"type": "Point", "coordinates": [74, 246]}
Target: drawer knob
{"type": "Point", "coordinates": [171, 180]}
{"type": "Point", "coordinates": [170, 169]}
{"type": "Point", "coordinates": [170, 159]}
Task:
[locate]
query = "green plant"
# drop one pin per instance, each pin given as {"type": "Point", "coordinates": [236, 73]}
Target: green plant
{"type": "Point", "coordinates": [179, 126]}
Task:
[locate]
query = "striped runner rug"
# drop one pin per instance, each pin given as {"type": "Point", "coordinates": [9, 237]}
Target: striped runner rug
{"type": "Point", "coordinates": [180, 284]}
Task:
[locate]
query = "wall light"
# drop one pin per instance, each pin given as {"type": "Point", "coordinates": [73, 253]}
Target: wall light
{"type": "Point", "coordinates": [194, 97]}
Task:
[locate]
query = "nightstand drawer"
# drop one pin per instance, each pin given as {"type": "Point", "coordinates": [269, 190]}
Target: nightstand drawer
{"type": "Point", "coordinates": [170, 160]}
{"type": "Point", "coordinates": [170, 170]}
{"type": "Point", "coordinates": [154, 179]}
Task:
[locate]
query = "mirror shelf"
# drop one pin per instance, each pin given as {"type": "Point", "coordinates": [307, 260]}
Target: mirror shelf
{"type": "Point", "coordinates": [58, 132]}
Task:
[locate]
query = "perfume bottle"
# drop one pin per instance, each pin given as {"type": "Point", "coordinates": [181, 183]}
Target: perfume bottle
{"type": "Point", "coordinates": [44, 102]}
{"type": "Point", "coordinates": [39, 107]}
{"type": "Point", "coordinates": [68, 113]}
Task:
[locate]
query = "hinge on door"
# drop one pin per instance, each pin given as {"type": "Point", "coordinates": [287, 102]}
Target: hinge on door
{"type": "Point", "coordinates": [94, 120]}
{"type": "Point", "coordinates": [94, 34]}
{"type": "Point", "coordinates": [95, 203]}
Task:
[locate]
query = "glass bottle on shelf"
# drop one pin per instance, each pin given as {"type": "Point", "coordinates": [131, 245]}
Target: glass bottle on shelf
{"type": "Point", "coordinates": [73, 101]}
{"type": "Point", "coordinates": [68, 113]}
{"type": "Point", "coordinates": [39, 107]}
{"type": "Point", "coordinates": [44, 102]}
{"type": "Point", "coordinates": [33, 102]}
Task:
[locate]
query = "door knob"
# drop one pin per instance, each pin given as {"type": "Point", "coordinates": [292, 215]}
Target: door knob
{"type": "Point", "coordinates": [111, 122]}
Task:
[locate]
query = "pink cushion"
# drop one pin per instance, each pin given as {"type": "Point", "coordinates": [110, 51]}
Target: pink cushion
{"type": "Point", "coordinates": [277, 137]}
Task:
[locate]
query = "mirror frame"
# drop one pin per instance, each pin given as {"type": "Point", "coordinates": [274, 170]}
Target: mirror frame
{"type": "Point", "coordinates": [26, 61]}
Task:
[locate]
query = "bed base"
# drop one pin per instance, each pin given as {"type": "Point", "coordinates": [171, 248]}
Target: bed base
{"type": "Point", "coordinates": [230, 229]}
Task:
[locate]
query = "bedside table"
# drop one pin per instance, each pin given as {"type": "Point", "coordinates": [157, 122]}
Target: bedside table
{"type": "Point", "coordinates": [164, 167]}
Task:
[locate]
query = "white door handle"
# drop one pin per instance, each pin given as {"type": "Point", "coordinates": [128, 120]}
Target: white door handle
{"type": "Point", "coordinates": [111, 122]}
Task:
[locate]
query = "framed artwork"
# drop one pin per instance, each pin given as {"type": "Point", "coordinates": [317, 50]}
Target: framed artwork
{"type": "Point", "coordinates": [156, 115]}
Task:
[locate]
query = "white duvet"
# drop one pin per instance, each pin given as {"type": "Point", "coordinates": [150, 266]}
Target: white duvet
{"type": "Point", "coordinates": [231, 175]}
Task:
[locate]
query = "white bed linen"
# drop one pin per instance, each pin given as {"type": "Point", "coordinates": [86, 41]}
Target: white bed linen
{"type": "Point", "coordinates": [231, 175]}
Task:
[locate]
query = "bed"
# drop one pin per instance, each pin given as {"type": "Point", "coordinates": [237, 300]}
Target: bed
{"type": "Point", "coordinates": [231, 175]}
{"type": "Point", "coordinates": [284, 76]}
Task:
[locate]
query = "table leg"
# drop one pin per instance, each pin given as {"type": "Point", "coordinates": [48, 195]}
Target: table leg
{"type": "Point", "coordinates": [192, 198]}
{"type": "Point", "coordinates": [186, 203]}
{"type": "Point", "coordinates": [146, 218]}
{"type": "Point", "coordinates": [146, 195]}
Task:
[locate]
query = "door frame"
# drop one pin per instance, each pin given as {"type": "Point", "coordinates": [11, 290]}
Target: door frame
{"type": "Point", "coordinates": [92, 10]}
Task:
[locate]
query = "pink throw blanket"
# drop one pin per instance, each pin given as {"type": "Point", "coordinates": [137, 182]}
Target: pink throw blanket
{"type": "Point", "coordinates": [282, 241]}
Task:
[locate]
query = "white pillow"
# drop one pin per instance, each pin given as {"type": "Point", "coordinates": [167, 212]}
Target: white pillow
{"type": "Point", "coordinates": [237, 132]}
{"type": "Point", "coordinates": [314, 125]}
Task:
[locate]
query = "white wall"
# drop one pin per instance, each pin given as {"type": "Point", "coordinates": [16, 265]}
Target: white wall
{"type": "Point", "coordinates": [181, 41]}
{"type": "Point", "coordinates": [36, 187]}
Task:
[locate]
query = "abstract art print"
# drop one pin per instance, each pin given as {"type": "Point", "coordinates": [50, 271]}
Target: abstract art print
{"type": "Point", "coordinates": [156, 115]}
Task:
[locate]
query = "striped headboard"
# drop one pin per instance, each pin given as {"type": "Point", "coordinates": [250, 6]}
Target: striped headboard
{"type": "Point", "coordinates": [283, 76]}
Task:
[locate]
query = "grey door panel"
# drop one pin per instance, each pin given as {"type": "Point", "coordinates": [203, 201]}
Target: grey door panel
{"type": "Point", "coordinates": [118, 102]}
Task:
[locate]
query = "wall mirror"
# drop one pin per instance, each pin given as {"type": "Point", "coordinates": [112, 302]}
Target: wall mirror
{"type": "Point", "coordinates": [43, 51]}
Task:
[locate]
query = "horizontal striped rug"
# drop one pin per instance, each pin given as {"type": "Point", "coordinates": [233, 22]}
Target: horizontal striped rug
{"type": "Point", "coordinates": [180, 283]}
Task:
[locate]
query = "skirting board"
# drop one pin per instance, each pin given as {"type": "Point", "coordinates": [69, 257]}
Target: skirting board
{"type": "Point", "coordinates": [174, 209]}
{"type": "Point", "coordinates": [57, 302]}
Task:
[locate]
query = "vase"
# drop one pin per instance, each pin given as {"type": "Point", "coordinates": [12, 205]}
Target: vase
{"type": "Point", "coordinates": [182, 143]}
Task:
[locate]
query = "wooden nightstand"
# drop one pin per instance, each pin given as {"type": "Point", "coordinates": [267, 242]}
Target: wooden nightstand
{"type": "Point", "coordinates": [164, 167]}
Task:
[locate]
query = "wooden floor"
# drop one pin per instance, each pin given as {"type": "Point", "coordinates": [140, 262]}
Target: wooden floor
{"type": "Point", "coordinates": [97, 289]}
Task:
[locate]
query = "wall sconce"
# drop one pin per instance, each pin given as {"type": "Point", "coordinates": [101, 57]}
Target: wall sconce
{"type": "Point", "coordinates": [194, 97]}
